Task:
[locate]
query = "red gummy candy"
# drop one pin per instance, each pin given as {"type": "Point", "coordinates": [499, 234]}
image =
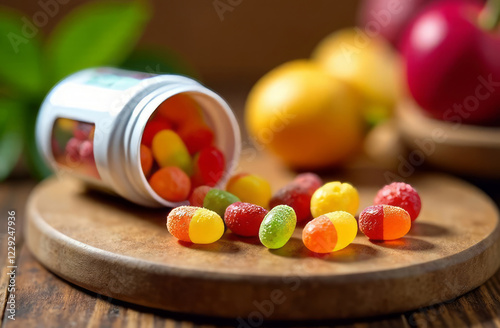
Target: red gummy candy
{"type": "Point", "coordinates": [297, 194]}
{"type": "Point", "coordinates": [209, 167]}
{"type": "Point", "coordinates": [196, 137]}
{"type": "Point", "coordinates": [384, 222]}
{"type": "Point", "coordinates": [402, 195]}
{"type": "Point", "coordinates": [309, 180]}
{"type": "Point", "coordinates": [152, 128]}
{"type": "Point", "coordinates": [244, 219]}
{"type": "Point", "coordinates": [297, 197]}
{"type": "Point", "coordinates": [198, 195]}
{"type": "Point", "coordinates": [87, 151]}
{"type": "Point", "coordinates": [73, 149]}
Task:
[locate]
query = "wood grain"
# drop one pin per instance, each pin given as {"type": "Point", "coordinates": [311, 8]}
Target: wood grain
{"type": "Point", "coordinates": [4, 280]}
{"type": "Point", "coordinates": [12, 197]}
{"type": "Point", "coordinates": [52, 302]}
{"type": "Point", "coordinates": [119, 250]}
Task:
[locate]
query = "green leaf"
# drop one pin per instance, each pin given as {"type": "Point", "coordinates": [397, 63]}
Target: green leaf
{"type": "Point", "coordinates": [20, 52]}
{"type": "Point", "coordinates": [95, 34]}
{"type": "Point", "coordinates": [33, 159]}
{"type": "Point", "coordinates": [11, 138]}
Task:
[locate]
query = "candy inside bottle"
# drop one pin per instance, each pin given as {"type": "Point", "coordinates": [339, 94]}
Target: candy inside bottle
{"type": "Point", "coordinates": [179, 135]}
{"type": "Point", "coordinates": [73, 146]}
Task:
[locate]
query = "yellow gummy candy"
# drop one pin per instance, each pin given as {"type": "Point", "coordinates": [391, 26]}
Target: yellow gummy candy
{"type": "Point", "coordinates": [334, 196]}
{"type": "Point", "coordinates": [205, 227]}
{"type": "Point", "coordinates": [346, 226]}
{"type": "Point", "coordinates": [250, 189]}
{"type": "Point", "coordinates": [169, 150]}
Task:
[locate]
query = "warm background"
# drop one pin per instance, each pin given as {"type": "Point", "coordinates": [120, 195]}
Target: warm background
{"type": "Point", "coordinates": [254, 37]}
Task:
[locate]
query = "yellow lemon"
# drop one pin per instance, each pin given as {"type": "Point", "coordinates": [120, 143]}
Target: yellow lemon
{"type": "Point", "coordinates": [304, 116]}
{"type": "Point", "coordinates": [368, 64]}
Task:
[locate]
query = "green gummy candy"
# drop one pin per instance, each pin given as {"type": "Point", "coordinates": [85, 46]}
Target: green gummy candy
{"type": "Point", "coordinates": [277, 227]}
{"type": "Point", "coordinates": [218, 200]}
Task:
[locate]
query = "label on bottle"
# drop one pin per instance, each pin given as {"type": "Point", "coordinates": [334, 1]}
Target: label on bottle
{"type": "Point", "coordinates": [113, 82]}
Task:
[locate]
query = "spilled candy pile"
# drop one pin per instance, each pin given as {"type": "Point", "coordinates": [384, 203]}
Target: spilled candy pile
{"type": "Point", "coordinates": [329, 208]}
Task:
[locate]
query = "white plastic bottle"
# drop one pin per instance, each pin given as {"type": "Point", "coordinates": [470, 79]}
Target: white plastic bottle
{"type": "Point", "coordinates": [111, 108]}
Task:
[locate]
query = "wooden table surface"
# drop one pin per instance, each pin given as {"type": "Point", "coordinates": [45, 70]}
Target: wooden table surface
{"type": "Point", "coordinates": [45, 300]}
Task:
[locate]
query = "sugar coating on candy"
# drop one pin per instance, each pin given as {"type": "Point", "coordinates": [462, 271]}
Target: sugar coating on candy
{"type": "Point", "coordinates": [250, 188]}
{"type": "Point", "coordinates": [171, 183]}
{"type": "Point", "coordinates": [277, 227]}
{"type": "Point", "coordinates": [205, 227]}
{"type": "Point", "coordinates": [319, 235]}
{"type": "Point", "coordinates": [198, 195]}
{"type": "Point", "coordinates": [178, 221]}
{"type": "Point", "coordinates": [146, 160]}
{"type": "Point", "coordinates": [371, 222]}
{"type": "Point", "coordinates": [309, 180]}
{"type": "Point", "coordinates": [384, 222]}
{"type": "Point", "coordinates": [169, 150]}
{"type": "Point", "coordinates": [218, 200]}
{"type": "Point", "coordinates": [244, 219]}
{"type": "Point", "coordinates": [397, 222]}
{"type": "Point", "coordinates": [195, 224]}
{"type": "Point", "coordinates": [402, 195]}
{"type": "Point", "coordinates": [335, 196]}
{"type": "Point", "coordinates": [209, 166]}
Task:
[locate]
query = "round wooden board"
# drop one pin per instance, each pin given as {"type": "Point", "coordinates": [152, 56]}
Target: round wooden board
{"type": "Point", "coordinates": [114, 248]}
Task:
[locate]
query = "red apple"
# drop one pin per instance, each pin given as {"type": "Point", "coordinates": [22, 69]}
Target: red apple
{"type": "Point", "coordinates": [453, 64]}
{"type": "Point", "coordinates": [389, 17]}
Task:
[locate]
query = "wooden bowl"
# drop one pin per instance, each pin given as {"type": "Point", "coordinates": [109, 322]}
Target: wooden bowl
{"type": "Point", "coordinates": [456, 147]}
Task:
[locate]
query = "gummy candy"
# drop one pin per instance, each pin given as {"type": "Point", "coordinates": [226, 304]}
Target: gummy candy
{"type": "Point", "coordinates": [195, 224]}
{"type": "Point", "coordinates": [384, 222]}
{"type": "Point", "coordinates": [218, 200]}
{"type": "Point", "coordinates": [244, 219]}
{"type": "Point", "coordinates": [250, 188]}
{"type": "Point", "coordinates": [330, 232]}
{"type": "Point", "coordinates": [171, 183]}
{"type": "Point", "coordinates": [277, 227]}
{"type": "Point", "coordinates": [334, 196]}
{"type": "Point", "coordinates": [402, 195]}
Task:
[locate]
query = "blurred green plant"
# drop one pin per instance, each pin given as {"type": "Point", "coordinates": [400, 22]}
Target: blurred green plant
{"type": "Point", "coordinates": [100, 33]}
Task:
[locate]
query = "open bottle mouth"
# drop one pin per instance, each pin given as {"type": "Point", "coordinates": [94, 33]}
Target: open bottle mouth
{"type": "Point", "coordinates": [191, 139]}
